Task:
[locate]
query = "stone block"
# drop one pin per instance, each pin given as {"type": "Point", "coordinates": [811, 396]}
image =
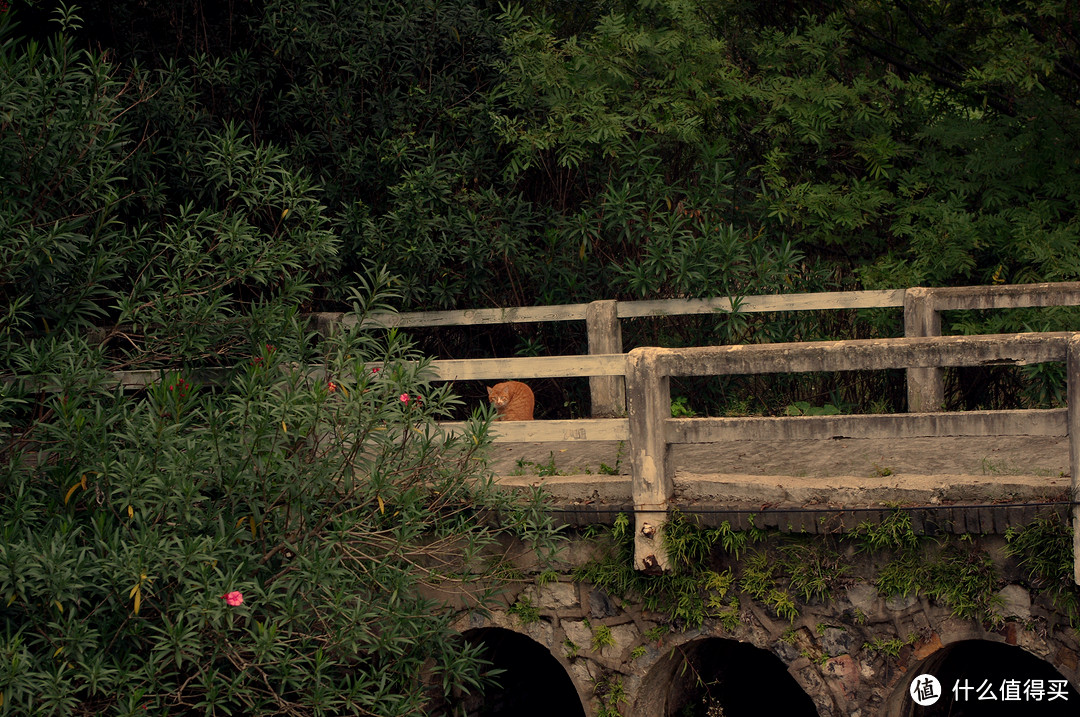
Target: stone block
{"type": "Point", "coordinates": [578, 634]}
{"type": "Point", "coordinates": [863, 596]}
{"type": "Point", "coordinates": [581, 672]}
{"type": "Point", "coordinates": [785, 651]}
{"type": "Point", "coordinates": [1001, 519]}
{"type": "Point", "coordinates": [850, 520]}
{"type": "Point", "coordinates": [957, 524]}
{"type": "Point", "coordinates": [1066, 658]}
{"type": "Point", "coordinates": [625, 636]}
{"type": "Point", "coordinates": [830, 523]}
{"type": "Point", "coordinates": [1030, 641]}
{"type": "Point", "coordinates": [543, 632]}
{"type": "Point", "coordinates": [927, 647]}
{"type": "Point", "coordinates": [579, 552]}
{"type": "Point", "coordinates": [601, 605]}
{"type": "Point", "coordinates": [932, 522]}
{"type": "Point", "coordinates": [1010, 631]}
{"type": "Point", "coordinates": [1015, 602]}
{"type": "Point", "coordinates": [899, 603]}
{"type": "Point", "coordinates": [844, 669]}
{"type": "Point", "coordinates": [836, 641]}
{"type": "Point", "coordinates": [553, 596]}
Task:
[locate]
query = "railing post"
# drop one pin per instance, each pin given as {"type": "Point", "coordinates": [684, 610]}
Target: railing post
{"type": "Point", "coordinates": [925, 386]}
{"type": "Point", "coordinates": [1072, 377]}
{"type": "Point", "coordinates": [608, 393]}
{"type": "Point", "coordinates": [648, 396]}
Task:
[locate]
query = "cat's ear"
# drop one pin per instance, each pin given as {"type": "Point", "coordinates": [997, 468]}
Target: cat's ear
{"type": "Point", "coordinates": [490, 394]}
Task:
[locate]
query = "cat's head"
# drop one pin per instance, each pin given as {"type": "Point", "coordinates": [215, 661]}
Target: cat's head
{"type": "Point", "coordinates": [498, 396]}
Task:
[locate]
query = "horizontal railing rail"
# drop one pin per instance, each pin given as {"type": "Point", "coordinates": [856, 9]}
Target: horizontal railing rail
{"type": "Point", "coordinates": [442, 370]}
{"type": "Point", "coordinates": [1023, 422]}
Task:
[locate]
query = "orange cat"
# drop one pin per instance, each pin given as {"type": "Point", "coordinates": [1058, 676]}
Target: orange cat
{"type": "Point", "coordinates": [513, 400]}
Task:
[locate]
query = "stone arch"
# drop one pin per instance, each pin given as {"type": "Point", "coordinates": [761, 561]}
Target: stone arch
{"type": "Point", "coordinates": [739, 677]}
{"type": "Point", "coordinates": [534, 682]}
{"type": "Point", "coordinates": [969, 662]}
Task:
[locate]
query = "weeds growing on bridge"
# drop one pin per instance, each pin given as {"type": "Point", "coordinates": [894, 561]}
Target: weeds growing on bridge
{"type": "Point", "coordinates": [692, 591]}
{"type": "Point", "coordinates": [950, 570]}
{"type": "Point", "coordinates": [784, 571]}
{"type": "Point", "coordinates": [890, 647]}
{"type": "Point", "coordinates": [893, 532]}
{"type": "Point", "coordinates": [525, 610]}
{"type": "Point", "coordinates": [1044, 548]}
{"type": "Point", "coordinates": [611, 693]}
{"type": "Point", "coordinates": [811, 570]}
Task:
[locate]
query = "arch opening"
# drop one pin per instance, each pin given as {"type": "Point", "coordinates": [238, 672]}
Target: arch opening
{"type": "Point", "coordinates": [980, 677]}
{"type": "Point", "coordinates": [715, 676]}
{"type": "Point", "coordinates": [532, 682]}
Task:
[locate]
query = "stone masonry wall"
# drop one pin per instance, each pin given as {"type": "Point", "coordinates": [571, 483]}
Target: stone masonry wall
{"type": "Point", "coordinates": [825, 650]}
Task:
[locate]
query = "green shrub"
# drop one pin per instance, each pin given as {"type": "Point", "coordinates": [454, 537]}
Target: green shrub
{"type": "Point", "coordinates": [263, 541]}
{"type": "Point", "coordinates": [127, 519]}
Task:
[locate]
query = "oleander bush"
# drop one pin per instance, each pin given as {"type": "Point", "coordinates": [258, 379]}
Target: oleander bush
{"type": "Point", "coordinates": [266, 527]}
{"type": "Point", "coordinates": [325, 499]}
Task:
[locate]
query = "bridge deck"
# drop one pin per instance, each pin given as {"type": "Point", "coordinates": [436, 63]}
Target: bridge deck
{"type": "Point", "coordinates": [782, 479]}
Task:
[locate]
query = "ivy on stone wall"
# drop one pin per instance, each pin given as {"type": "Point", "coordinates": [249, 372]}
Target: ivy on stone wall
{"type": "Point", "coordinates": [784, 571]}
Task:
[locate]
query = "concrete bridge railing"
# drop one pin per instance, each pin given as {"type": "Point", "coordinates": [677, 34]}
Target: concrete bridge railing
{"type": "Point", "coordinates": [652, 429]}
{"type": "Point", "coordinates": [649, 428]}
{"type": "Point", "coordinates": [922, 317]}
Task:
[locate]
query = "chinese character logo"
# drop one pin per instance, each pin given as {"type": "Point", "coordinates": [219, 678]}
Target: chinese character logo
{"type": "Point", "coordinates": [925, 690]}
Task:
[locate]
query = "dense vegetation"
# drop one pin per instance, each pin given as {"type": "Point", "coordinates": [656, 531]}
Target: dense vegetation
{"type": "Point", "coordinates": [183, 180]}
{"type": "Point", "coordinates": [553, 152]}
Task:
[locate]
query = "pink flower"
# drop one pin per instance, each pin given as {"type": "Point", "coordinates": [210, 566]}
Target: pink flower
{"type": "Point", "coordinates": [404, 398]}
{"type": "Point", "coordinates": [234, 598]}
{"type": "Point", "coordinates": [376, 369]}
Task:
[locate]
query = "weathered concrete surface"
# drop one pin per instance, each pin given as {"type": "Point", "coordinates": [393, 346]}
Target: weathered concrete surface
{"type": "Point", "coordinates": [779, 481]}
{"type": "Point", "coordinates": [862, 354]}
{"type": "Point", "coordinates": [984, 457]}
{"type": "Point", "coordinates": [605, 337]}
{"type": "Point", "coordinates": [648, 403]}
{"type": "Point", "coordinates": [925, 386]}
{"type": "Point", "coordinates": [836, 491]}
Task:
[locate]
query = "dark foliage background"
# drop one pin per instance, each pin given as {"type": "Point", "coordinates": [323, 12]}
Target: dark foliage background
{"type": "Point", "coordinates": [182, 180]}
